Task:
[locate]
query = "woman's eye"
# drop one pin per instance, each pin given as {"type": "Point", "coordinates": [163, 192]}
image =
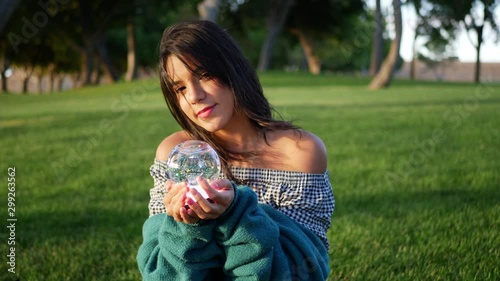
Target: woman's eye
{"type": "Point", "coordinates": [180, 90]}
{"type": "Point", "coordinates": [204, 75]}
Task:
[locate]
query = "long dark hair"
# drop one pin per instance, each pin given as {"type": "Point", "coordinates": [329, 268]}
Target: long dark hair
{"type": "Point", "coordinates": [205, 45]}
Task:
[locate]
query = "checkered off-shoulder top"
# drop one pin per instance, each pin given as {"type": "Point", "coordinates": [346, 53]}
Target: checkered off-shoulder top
{"type": "Point", "coordinates": [304, 197]}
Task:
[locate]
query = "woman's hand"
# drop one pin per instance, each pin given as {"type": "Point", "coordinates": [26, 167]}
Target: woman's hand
{"type": "Point", "coordinates": [175, 202]}
{"type": "Point", "coordinates": [221, 194]}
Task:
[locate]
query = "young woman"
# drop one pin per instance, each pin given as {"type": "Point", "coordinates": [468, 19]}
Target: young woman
{"type": "Point", "coordinates": [267, 218]}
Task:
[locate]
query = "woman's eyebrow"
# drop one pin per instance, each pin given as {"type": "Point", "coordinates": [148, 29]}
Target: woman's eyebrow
{"type": "Point", "coordinates": [176, 82]}
{"type": "Point", "coordinates": [197, 72]}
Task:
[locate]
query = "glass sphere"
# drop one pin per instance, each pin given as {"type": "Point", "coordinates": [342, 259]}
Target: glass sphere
{"type": "Point", "coordinates": [191, 159]}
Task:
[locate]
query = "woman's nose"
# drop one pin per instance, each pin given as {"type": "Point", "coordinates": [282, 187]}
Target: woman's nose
{"type": "Point", "coordinates": [196, 93]}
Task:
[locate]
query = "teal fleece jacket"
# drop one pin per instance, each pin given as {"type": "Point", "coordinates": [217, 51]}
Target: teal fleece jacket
{"type": "Point", "coordinates": [250, 241]}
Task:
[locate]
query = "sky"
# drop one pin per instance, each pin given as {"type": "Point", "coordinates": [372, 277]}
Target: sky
{"type": "Point", "coordinates": [463, 48]}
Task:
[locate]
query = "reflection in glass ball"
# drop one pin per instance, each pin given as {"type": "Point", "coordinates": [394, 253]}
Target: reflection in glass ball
{"type": "Point", "coordinates": [191, 159]}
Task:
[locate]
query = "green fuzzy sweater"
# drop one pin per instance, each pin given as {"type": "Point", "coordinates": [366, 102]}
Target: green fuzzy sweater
{"type": "Point", "coordinates": [250, 241]}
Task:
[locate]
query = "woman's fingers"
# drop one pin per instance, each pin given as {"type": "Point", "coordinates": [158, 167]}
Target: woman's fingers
{"type": "Point", "coordinates": [211, 192]}
{"type": "Point", "coordinates": [168, 185]}
{"type": "Point", "coordinates": [220, 195]}
{"type": "Point", "coordinates": [174, 199]}
{"type": "Point", "coordinates": [224, 192]}
{"type": "Point", "coordinates": [188, 215]}
{"type": "Point", "coordinates": [200, 205]}
{"type": "Point", "coordinates": [220, 198]}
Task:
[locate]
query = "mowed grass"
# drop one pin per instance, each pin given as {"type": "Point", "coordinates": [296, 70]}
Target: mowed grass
{"type": "Point", "coordinates": [415, 170]}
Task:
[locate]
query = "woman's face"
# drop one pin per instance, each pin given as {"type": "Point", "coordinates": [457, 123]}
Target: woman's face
{"type": "Point", "coordinates": [204, 100]}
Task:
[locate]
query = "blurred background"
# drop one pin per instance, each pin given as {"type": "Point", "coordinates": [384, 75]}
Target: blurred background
{"type": "Point", "coordinates": [55, 45]}
{"type": "Point", "coordinates": [404, 94]}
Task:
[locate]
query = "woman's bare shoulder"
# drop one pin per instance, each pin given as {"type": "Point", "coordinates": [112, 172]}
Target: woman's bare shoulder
{"type": "Point", "coordinates": [166, 146]}
{"type": "Point", "coordinates": [303, 151]}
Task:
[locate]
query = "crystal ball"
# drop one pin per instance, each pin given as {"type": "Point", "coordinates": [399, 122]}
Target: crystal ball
{"type": "Point", "coordinates": [191, 159]}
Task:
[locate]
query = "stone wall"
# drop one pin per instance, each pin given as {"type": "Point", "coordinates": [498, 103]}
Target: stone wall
{"type": "Point", "coordinates": [452, 71]}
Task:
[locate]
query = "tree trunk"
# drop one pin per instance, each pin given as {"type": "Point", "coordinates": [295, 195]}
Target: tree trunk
{"type": "Point", "coordinates": [131, 57]}
{"type": "Point", "coordinates": [51, 69]}
{"type": "Point", "coordinates": [97, 75]}
{"type": "Point", "coordinates": [413, 66]}
{"type": "Point", "coordinates": [209, 10]}
{"type": "Point", "coordinates": [313, 62]}
{"type": "Point", "coordinates": [477, 72]}
{"type": "Point", "coordinates": [4, 78]}
{"type": "Point", "coordinates": [87, 63]}
{"type": "Point", "coordinates": [384, 76]}
{"type": "Point", "coordinates": [40, 83]}
{"type": "Point", "coordinates": [103, 56]}
{"type": "Point", "coordinates": [52, 80]}
{"type": "Point", "coordinates": [26, 80]}
{"type": "Point", "coordinates": [76, 78]}
{"type": "Point", "coordinates": [421, 21]}
{"type": "Point", "coordinates": [59, 81]}
{"type": "Point", "coordinates": [3, 67]}
{"type": "Point", "coordinates": [28, 72]}
{"type": "Point", "coordinates": [277, 16]}
{"type": "Point", "coordinates": [378, 42]}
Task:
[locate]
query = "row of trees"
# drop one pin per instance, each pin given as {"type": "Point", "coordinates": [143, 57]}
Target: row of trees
{"type": "Point", "coordinates": [61, 37]}
{"type": "Point", "coordinates": [438, 22]}
{"type": "Point", "coordinates": [92, 39]}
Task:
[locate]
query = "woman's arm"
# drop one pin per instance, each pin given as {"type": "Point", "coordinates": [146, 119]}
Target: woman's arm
{"type": "Point", "coordinates": [174, 250]}
{"type": "Point", "coordinates": [307, 198]}
{"type": "Point", "coordinates": [177, 251]}
{"type": "Point", "coordinates": [159, 171]}
{"type": "Point", "coordinates": [260, 243]}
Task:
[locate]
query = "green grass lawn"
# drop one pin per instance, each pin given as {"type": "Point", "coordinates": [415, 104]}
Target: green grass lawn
{"type": "Point", "coordinates": [415, 171]}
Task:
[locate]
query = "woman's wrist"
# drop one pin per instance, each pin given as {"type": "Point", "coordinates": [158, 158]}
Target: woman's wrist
{"type": "Point", "coordinates": [232, 204]}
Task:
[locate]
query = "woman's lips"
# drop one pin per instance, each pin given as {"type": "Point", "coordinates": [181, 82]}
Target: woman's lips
{"type": "Point", "coordinates": [205, 112]}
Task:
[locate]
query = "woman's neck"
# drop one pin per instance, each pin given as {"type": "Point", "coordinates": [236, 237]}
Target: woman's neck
{"type": "Point", "coordinates": [240, 142]}
{"type": "Point", "coordinates": [241, 136]}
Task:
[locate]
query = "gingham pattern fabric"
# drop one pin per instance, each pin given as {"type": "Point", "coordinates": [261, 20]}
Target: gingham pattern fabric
{"type": "Point", "coordinates": [304, 197]}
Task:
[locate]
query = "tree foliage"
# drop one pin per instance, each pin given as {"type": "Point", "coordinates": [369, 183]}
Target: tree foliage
{"type": "Point", "coordinates": [90, 39]}
{"type": "Point", "coordinates": [327, 26]}
{"type": "Point", "coordinates": [474, 15]}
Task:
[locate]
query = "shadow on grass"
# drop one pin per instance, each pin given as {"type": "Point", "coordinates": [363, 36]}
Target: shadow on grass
{"type": "Point", "coordinates": [79, 225]}
{"type": "Point", "coordinates": [40, 226]}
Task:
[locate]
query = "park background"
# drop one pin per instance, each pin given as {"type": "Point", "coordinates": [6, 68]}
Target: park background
{"type": "Point", "coordinates": [413, 148]}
